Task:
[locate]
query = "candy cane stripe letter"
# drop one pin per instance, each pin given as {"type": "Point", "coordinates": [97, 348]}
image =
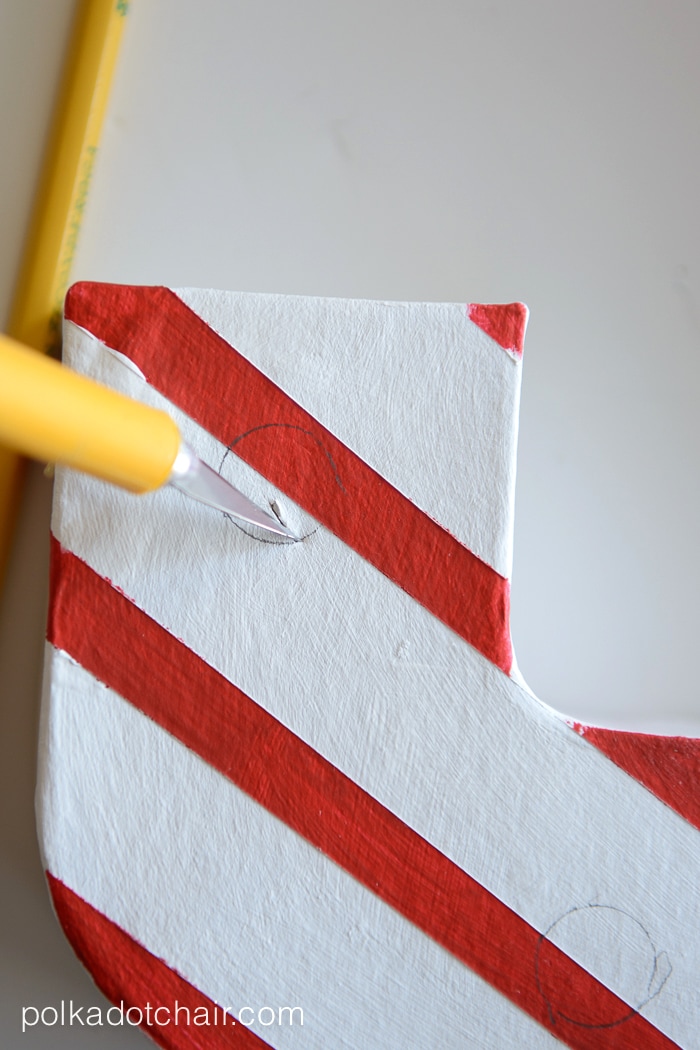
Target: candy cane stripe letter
{"type": "Point", "coordinates": [283, 780]}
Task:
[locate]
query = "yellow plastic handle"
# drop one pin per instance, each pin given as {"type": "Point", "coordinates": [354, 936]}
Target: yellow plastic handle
{"type": "Point", "coordinates": [50, 413]}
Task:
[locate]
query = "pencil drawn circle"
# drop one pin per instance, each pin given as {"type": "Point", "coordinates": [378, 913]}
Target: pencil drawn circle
{"type": "Point", "coordinates": [273, 499]}
{"type": "Point", "coordinates": [616, 949]}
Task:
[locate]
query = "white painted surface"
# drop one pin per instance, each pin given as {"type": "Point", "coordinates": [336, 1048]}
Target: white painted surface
{"type": "Point", "coordinates": [418, 391]}
{"type": "Point", "coordinates": [391, 696]}
{"type": "Point", "coordinates": [235, 901]}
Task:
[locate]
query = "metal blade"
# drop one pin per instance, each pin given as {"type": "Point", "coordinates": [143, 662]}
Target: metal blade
{"type": "Point", "coordinates": [197, 480]}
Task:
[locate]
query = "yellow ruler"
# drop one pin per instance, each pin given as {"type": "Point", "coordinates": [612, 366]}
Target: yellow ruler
{"type": "Point", "coordinates": [44, 276]}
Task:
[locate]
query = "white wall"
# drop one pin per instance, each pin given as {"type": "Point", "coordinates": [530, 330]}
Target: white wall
{"type": "Point", "coordinates": [451, 149]}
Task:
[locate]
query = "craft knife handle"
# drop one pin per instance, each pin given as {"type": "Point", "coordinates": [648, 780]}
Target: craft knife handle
{"type": "Point", "coordinates": [50, 413]}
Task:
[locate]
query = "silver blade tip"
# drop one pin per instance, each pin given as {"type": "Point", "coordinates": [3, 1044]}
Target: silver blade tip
{"type": "Point", "coordinates": [199, 481]}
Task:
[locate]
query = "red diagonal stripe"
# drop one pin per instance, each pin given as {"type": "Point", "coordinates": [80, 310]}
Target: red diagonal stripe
{"type": "Point", "coordinates": [97, 626]}
{"type": "Point", "coordinates": [198, 371]}
{"type": "Point", "coordinates": [126, 972]}
{"type": "Point", "coordinates": [669, 766]}
{"type": "Point", "coordinates": [504, 323]}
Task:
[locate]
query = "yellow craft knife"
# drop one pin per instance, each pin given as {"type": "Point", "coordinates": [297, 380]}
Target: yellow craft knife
{"type": "Point", "coordinates": [50, 413]}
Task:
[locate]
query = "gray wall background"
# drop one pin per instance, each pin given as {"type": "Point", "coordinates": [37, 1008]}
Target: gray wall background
{"type": "Point", "coordinates": [451, 150]}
